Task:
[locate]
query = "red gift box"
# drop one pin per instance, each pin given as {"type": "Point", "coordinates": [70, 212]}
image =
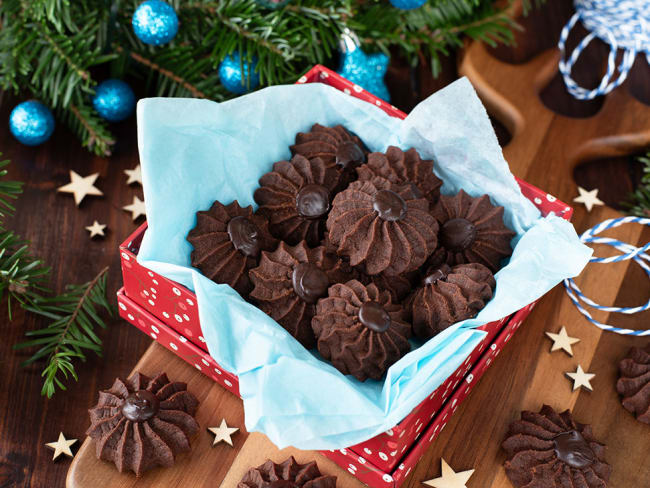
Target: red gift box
{"type": "Point", "coordinates": [167, 312]}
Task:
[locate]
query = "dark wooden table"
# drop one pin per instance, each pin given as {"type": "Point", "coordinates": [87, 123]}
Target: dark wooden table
{"type": "Point", "coordinates": [56, 228]}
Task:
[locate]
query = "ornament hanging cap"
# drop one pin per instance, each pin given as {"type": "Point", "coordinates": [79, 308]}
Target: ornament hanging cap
{"type": "Point", "coordinates": [622, 24]}
{"type": "Point", "coordinates": [349, 41]}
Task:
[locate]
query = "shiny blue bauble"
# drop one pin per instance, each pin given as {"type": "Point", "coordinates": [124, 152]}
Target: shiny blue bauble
{"type": "Point", "coordinates": [272, 4]}
{"type": "Point", "coordinates": [155, 22]}
{"type": "Point", "coordinates": [31, 122]}
{"type": "Point", "coordinates": [408, 4]}
{"type": "Point", "coordinates": [235, 79]}
{"type": "Point", "coordinates": [114, 100]}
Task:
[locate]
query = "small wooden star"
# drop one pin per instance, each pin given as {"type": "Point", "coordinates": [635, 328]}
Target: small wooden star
{"type": "Point", "coordinates": [136, 208]}
{"type": "Point", "coordinates": [96, 229]}
{"type": "Point", "coordinates": [580, 378]}
{"type": "Point", "coordinates": [222, 433]}
{"type": "Point", "coordinates": [562, 341]}
{"type": "Point", "coordinates": [449, 478]}
{"type": "Point", "coordinates": [80, 186]}
{"type": "Point", "coordinates": [61, 446]}
{"type": "Point", "coordinates": [589, 198]}
{"type": "Point", "coordinates": [135, 175]}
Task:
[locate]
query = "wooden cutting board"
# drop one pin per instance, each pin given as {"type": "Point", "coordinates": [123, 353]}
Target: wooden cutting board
{"type": "Point", "coordinates": [544, 150]}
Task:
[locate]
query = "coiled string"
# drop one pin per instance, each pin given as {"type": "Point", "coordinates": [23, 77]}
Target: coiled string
{"type": "Point", "coordinates": [623, 24]}
{"type": "Point", "coordinates": [638, 254]}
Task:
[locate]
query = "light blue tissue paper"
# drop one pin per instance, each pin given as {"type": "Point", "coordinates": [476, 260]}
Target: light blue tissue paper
{"type": "Point", "coordinates": [196, 151]}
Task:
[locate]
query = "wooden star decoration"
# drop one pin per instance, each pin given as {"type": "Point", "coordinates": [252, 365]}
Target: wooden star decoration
{"type": "Point", "coordinates": [96, 229]}
{"type": "Point", "coordinates": [449, 478]}
{"type": "Point", "coordinates": [136, 208]}
{"type": "Point", "coordinates": [80, 186]}
{"type": "Point", "coordinates": [589, 198]}
{"type": "Point", "coordinates": [61, 446]}
{"type": "Point", "coordinates": [562, 341]}
{"type": "Point", "coordinates": [135, 175]}
{"type": "Point", "coordinates": [222, 433]}
{"type": "Point", "coordinates": [580, 378]}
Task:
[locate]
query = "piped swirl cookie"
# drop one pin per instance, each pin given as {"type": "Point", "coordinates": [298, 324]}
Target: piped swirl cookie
{"type": "Point", "coordinates": [360, 330]}
{"type": "Point", "coordinates": [471, 231]}
{"type": "Point", "coordinates": [403, 167]}
{"type": "Point", "coordinates": [382, 226]}
{"type": "Point", "coordinates": [227, 241]}
{"type": "Point", "coordinates": [296, 197]}
{"type": "Point", "coordinates": [289, 281]}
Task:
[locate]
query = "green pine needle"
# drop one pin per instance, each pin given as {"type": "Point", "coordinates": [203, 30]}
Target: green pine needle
{"type": "Point", "coordinates": [50, 49]}
{"type": "Point", "coordinates": [71, 316]}
{"type": "Point", "coordinates": [639, 202]}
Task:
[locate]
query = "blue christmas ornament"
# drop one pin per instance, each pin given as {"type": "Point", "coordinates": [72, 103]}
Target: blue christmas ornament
{"type": "Point", "coordinates": [31, 122]}
{"type": "Point", "coordinates": [273, 4]}
{"type": "Point", "coordinates": [114, 100]}
{"type": "Point", "coordinates": [155, 22]}
{"type": "Point", "coordinates": [365, 70]}
{"type": "Point", "coordinates": [238, 76]}
{"type": "Point", "coordinates": [408, 4]}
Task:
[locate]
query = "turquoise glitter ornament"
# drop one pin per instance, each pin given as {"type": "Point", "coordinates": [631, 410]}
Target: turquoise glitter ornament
{"type": "Point", "coordinates": [272, 4]}
{"type": "Point", "coordinates": [31, 122]}
{"type": "Point", "coordinates": [155, 22]}
{"type": "Point", "coordinates": [366, 70]}
{"type": "Point", "coordinates": [408, 4]}
{"type": "Point", "coordinates": [238, 75]}
{"type": "Point", "coordinates": [114, 100]}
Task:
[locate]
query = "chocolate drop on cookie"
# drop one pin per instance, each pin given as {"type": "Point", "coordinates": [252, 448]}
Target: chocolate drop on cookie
{"type": "Point", "coordinates": [312, 201]}
{"type": "Point", "coordinates": [140, 406]}
{"type": "Point", "coordinates": [349, 155]}
{"type": "Point", "coordinates": [309, 282]}
{"type": "Point", "coordinates": [457, 234]}
{"type": "Point", "coordinates": [572, 448]}
{"type": "Point", "coordinates": [437, 274]}
{"type": "Point", "coordinates": [373, 316]}
{"type": "Point", "coordinates": [389, 205]}
{"type": "Point", "coordinates": [244, 236]}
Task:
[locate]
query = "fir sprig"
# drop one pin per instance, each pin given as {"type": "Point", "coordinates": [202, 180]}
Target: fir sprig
{"type": "Point", "coordinates": [50, 49]}
{"type": "Point", "coordinates": [639, 203]}
{"type": "Point", "coordinates": [74, 316]}
{"type": "Point", "coordinates": [71, 316]}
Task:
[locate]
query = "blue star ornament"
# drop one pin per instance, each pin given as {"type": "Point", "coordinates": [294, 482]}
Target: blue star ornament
{"type": "Point", "coordinates": [365, 70]}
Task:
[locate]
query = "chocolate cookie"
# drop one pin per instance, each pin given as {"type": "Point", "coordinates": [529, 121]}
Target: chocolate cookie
{"type": "Point", "coordinates": [290, 280]}
{"type": "Point", "coordinates": [336, 146]}
{"type": "Point", "coordinates": [143, 422]}
{"type": "Point", "coordinates": [360, 330]}
{"type": "Point", "coordinates": [227, 242]}
{"type": "Point", "coordinates": [634, 383]}
{"type": "Point", "coordinates": [403, 168]}
{"type": "Point", "coordinates": [382, 226]}
{"type": "Point", "coordinates": [551, 450]}
{"type": "Point", "coordinates": [449, 295]}
{"type": "Point", "coordinates": [471, 231]}
{"type": "Point", "coordinates": [288, 474]}
{"type": "Point", "coordinates": [295, 197]}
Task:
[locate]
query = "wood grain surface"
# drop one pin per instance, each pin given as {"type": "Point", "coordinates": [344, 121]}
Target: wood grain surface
{"type": "Point", "coordinates": [524, 376]}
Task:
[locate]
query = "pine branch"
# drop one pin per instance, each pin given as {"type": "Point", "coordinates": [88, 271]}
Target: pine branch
{"type": "Point", "coordinates": [166, 73]}
{"type": "Point", "coordinates": [73, 316]}
{"type": "Point", "coordinates": [92, 130]}
{"type": "Point", "coordinates": [49, 49]}
{"type": "Point", "coordinates": [639, 200]}
{"type": "Point", "coordinates": [22, 275]}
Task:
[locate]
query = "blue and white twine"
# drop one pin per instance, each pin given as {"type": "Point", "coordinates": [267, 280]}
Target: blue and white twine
{"type": "Point", "coordinates": [638, 254]}
{"type": "Point", "coordinates": [623, 24]}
